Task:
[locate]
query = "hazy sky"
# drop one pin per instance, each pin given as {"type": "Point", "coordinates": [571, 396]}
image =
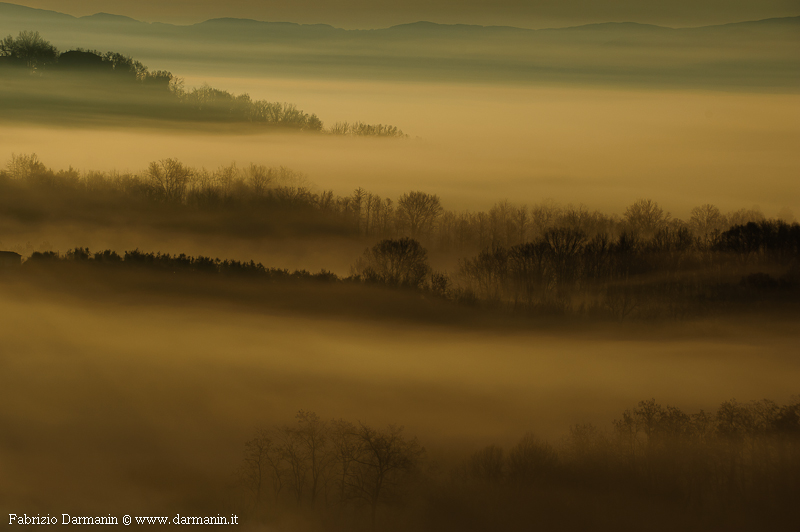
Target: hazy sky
{"type": "Point", "coordinates": [382, 13]}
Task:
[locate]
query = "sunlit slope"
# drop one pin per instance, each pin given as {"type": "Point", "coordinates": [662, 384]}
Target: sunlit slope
{"type": "Point", "coordinates": [758, 55]}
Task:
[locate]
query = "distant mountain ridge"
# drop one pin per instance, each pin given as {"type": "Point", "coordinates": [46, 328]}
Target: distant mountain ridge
{"type": "Point", "coordinates": [7, 8]}
{"type": "Point", "coordinates": [752, 55]}
{"type": "Point", "coordinates": [15, 9]}
{"type": "Point", "coordinates": [108, 17]}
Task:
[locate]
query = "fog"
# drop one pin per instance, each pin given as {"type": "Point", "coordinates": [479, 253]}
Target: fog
{"type": "Point", "coordinates": [123, 403]}
{"type": "Point", "coordinates": [134, 383]}
{"type": "Point", "coordinates": [474, 145]}
{"type": "Point", "coordinates": [749, 56]}
{"type": "Point", "coordinates": [381, 13]}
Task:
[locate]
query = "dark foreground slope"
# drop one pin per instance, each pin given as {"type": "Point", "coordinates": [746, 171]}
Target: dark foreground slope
{"type": "Point", "coordinates": [153, 393]}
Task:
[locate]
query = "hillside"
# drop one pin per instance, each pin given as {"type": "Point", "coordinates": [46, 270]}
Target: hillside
{"type": "Point", "coordinates": [752, 55]}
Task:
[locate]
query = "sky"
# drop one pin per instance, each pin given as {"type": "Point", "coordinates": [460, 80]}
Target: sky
{"type": "Point", "coordinates": [383, 13]}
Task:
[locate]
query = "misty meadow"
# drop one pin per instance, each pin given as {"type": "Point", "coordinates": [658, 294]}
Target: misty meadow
{"type": "Point", "coordinates": [421, 276]}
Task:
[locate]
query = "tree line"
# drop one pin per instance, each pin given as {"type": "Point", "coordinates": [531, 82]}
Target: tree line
{"type": "Point", "coordinates": [416, 214]}
{"type": "Point", "coordinates": [167, 96]}
{"type": "Point", "coordinates": [544, 260]}
{"type": "Point", "coordinates": [742, 460]}
{"type": "Point", "coordinates": [673, 273]}
{"type": "Point", "coordinates": [31, 52]}
{"type": "Point", "coordinates": [175, 264]}
{"type": "Point", "coordinates": [739, 462]}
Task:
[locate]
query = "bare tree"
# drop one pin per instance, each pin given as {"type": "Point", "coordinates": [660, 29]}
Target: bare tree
{"type": "Point", "coordinates": [745, 216]}
{"type": "Point", "coordinates": [417, 213]}
{"type": "Point", "coordinates": [295, 455]}
{"type": "Point", "coordinates": [707, 220]}
{"type": "Point", "coordinates": [401, 262]}
{"type": "Point", "coordinates": [311, 459]}
{"type": "Point", "coordinates": [171, 178]}
{"type": "Point", "coordinates": [522, 220]}
{"type": "Point", "coordinates": [501, 219]}
{"type": "Point", "coordinates": [531, 460]}
{"type": "Point", "coordinates": [564, 246]}
{"type": "Point", "coordinates": [25, 166]}
{"type": "Point", "coordinates": [385, 458]}
{"type": "Point", "coordinates": [386, 216]}
{"type": "Point", "coordinates": [357, 204]}
{"type": "Point", "coordinates": [487, 273]}
{"type": "Point", "coordinates": [345, 448]}
{"type": "Point", "coordinates": [646, 216]}
{"type": "Point", "coordinates": [227, 178]}
{"type": "Point", "coordinates": [621, 300]}
{"type": "Point", "coordinates": [313, 435]}
{"type": "Point", "coordinates": [263, 465]}
{"type": "Point", "coordinates": [528, 269]}
{"type": "Point", "coordinates": [260, 178]}
{"type": "Point", "coordinates": [488, 465]}
{"type": "Point", "coordinates": [544, 215]}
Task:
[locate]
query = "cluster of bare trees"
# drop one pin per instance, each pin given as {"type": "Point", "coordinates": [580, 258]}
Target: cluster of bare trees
{"type": "Point", "coordinates": [735, 466]}
{"type": "Point", "coordinates": [401, 262]}
{"type": "Point", "coordinates": [216, 104]}
{"type": "Point", "coordinates": [743, 453]}
{"type": "Point", "coordinates": [360, 129]}
{"type": "Point", "coordinates": [741, 461]}
{"type": "Point", "coordinates": [506, 224]}
{"type": "Point", "coordinates": [671, 274]}
{"type": "Point", "coordinates": [416, 214]}
{"type": "Point", "coordinates": [420, 215]}
{"type": "Point", "coordinates": [531, 461]}
{"type": "Point", "coordinates": [25, 167]}
{"type": "Point", "coordinates": [171, 181]}
{"type": "Point", "coordinates": [328, 466]}
{"type": "Point", "coordinates": [546, 258]}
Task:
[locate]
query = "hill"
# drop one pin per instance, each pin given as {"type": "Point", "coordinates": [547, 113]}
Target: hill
{"type": "Point", "coordinates": [750, 55]}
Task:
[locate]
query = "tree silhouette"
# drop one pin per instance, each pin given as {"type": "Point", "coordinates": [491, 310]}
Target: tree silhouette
{"type": "Point", "coordinates": [401, 262]}
{"type": "Point", "coordinates": [529, 270]}
{"type": "Point", "coordinates": [263, 465]}
{"type": "Point", "coordinates": [25, 167]}
{"type": "Point", "coordinates": [646, 216]}
{"type": "Point", "coordinates": [345, 448]}
{"type": "Point", "coordinates": [488, 273]}
{"type": "Point", "coordinates": [564, 247]}
{"type": "Point", "coordinates": [313, 435]}
{"type": "Point", "coordinates": [83, 60]}
{"type": "Point", "coordinates": [206, 103]}
{"type": "Point", "coordinates": [347, 463]}
{"type": "Point", "coordinates": [383, 460]}
{"type": "Point", "coordinates": [488, 465]}
{"type": "Point", "coordinates": [260, 178]}
{"type": "Point", "coordinates": [125, 66]}
{"type": "Point", "coordinates": [707, 221]}
{"type": "Point", "coordinates": [531, 460]}
{"type": "Point", "coordinates": [417, 213]}
{"type": "Point", "coordinates": [171, 178]}
{"type": "Point", "coordinates": [29, 48]}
